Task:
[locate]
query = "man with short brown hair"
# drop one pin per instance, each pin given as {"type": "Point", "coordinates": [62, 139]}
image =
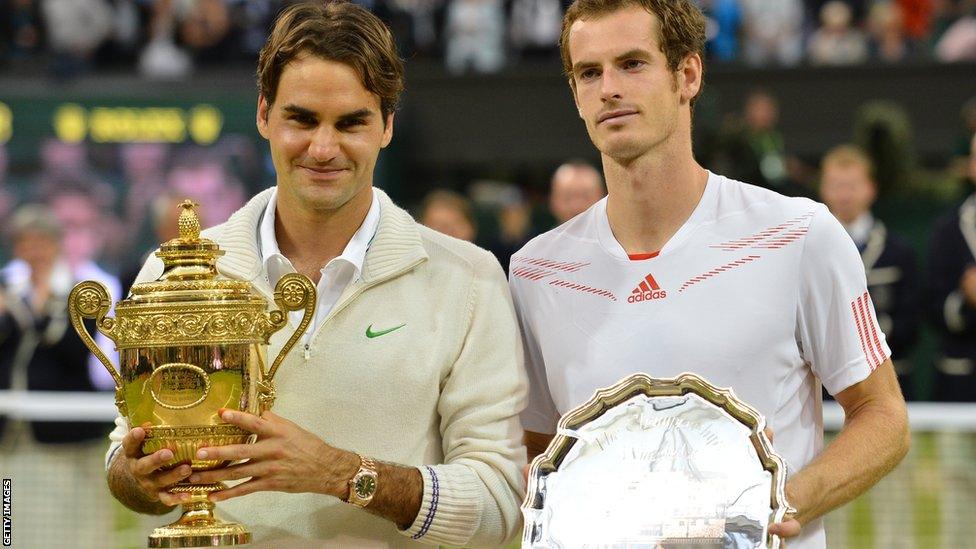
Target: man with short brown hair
{"type": "Point", "coordinates": [403, 396]}
{"type": "Point", "coordinates": [680, 269]}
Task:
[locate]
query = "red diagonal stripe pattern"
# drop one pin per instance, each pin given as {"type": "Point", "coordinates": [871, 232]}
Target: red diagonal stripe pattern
{"type": "Point", "coordinates": [718, 270]}
{"type": "Point", "coordinates": [771, 238]}
{"type": "Point", "coordinates": [867, 331]}
{"type": "Point", "coordinates": [565, 266]}
{"type": "Point", "coordinates": [583, 288]}
{"type": "Point", "coordinates": [531, 273]}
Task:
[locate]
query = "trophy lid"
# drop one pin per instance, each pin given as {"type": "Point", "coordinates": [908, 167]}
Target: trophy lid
{"type": "Point", "coordinates": [189, 303]}
{"type": "Point", "coordinates": [190, 269]}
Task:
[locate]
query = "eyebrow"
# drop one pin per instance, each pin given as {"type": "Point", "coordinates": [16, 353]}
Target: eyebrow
{"type": "Point", "coordinates": [302, 111]}
{"type": "Point", "coordinates": [636, 52]}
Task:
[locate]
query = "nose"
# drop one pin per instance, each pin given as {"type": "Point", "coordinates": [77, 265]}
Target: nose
{"type": "Point", "coordinates": [609, 86]}
{"type": "Point", "coordinates": [324, 145]}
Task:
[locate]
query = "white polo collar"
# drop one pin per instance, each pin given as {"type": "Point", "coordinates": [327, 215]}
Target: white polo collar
{"type": "Point", "coordinates": [277, 265]}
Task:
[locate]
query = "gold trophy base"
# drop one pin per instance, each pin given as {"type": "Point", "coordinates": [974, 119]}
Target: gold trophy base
{"type": "Point", "coordinates": [198, 527]}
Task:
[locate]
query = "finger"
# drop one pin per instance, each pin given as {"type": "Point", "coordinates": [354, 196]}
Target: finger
{"type": "Point", "coordinates": [242, 489]}
{"type": "Point", "coordinates": [169, 498]}
{"type": "Point", "coordinates": [233, 472]}
{"type": "Point", "coordinates": [132, 442]}
{"type": "Point", "coordinates": [148, 464]}
{"type": "Point", "coordinates": [169, 478]}
{"type": "Point", "coordinates": [769, 433]}
{"type": "Point", "coordinates": [789, 528]}
{"type": "Point", "coordinates": [249, 422]}
{"type": "Point", "coordinates": [231, 452]}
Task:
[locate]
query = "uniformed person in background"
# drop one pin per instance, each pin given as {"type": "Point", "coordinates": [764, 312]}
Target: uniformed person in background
{"type": "Point", "coordinates": [953, 297]}
{"type": "Point", "coordinates": [848, 188]}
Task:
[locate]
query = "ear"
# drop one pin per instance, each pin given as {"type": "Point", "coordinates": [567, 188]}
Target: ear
{"type": "Point", "coordinates": [387, 131]}
{"type": "Point", "coordinates": [690, 76]}
{"type": "Point", "coordinates": [264, 109]}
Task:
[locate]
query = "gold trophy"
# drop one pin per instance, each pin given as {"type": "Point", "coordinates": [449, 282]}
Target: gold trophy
{"type": "Point", "coordinates": [189, 344]}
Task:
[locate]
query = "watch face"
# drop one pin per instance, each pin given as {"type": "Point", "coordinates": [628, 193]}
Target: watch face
{"type": "Point", "coordinates": [365, 486]}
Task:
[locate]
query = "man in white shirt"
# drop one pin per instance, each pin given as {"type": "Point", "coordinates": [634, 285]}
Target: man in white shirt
{"type": "Point", "coordinates": [681, 270]}
{"type": "Point", "coordinates": [409, 379]}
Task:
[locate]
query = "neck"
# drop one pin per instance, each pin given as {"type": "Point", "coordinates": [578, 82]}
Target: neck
{"type": "Point", "coordinates": [651, 197]}
{"type": "Point", "coordinates": [310, 239]}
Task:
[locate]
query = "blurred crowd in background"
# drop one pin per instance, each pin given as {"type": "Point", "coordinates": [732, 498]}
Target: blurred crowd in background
{"type": "Point", "coordinates": [94, 210]}
{"type": "Point", "coordinates": [169, 38]}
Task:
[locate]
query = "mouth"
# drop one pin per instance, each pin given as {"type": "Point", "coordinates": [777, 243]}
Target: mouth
{"type": "Point", "coordinates": [323, 172]}
{"type": "Point", "coordinates": [616, 115]}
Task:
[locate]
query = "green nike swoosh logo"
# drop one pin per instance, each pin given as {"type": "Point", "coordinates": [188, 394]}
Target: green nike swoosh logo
{"type": "Point", "coordinates": [371, 334]}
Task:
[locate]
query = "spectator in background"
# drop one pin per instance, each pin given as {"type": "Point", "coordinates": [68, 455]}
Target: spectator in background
{"type": "Point", "coordinates": [848, 188]}
{"type": "Point", "coordinates": [143, 170]}
{"type": "Point", "coordinates": [21, 31]}
{"type": "Point", "coordinates": [449, 213]}
{"type": "Point", "coordinates": [773, 31]}
{"type": "Point", "coordinates": [162, 58]}
{"type": "Point", "coordinates": [475, 36]}
{"type": "Point", "coordinates": [837, 42]}
{"type": "Point", "coordinates": [952, 308]}
{"type": "Point", "coordinates": [953, 298]}
{"type": "Point", "coordinates": [75, 29]}
{"type": "Point", "coordinates": [958, 42]}
{"type": "Point", "coordinates": [724, 20]}
{"type": "Point", "coordinates": [165, 214]}
{"type": "Point", "coordinates": [39, 351]}
{"type": "Point", "coordinates": [576, 185]}
{"type": "Point", "coordinates": [886, 26]}
{"type": "Point", "coordinates": [204, 179]}
{"type": "Point", "coordinates": [535, 26]}
{"type": "Point", "coordinates": [422, 16]}
{"type": "Point", "coordinates": [756, 150]}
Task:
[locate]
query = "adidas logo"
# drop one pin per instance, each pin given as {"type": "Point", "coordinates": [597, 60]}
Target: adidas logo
{"type": "Point", "coordinates": [647, 290]}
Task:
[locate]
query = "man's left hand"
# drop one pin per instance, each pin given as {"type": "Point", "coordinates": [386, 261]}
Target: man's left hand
{"type": "Point", "coordinates": [285, 458]}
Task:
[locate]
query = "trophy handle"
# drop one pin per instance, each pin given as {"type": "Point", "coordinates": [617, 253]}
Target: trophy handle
{"type": "Point", "coordinates": [293, 292]}
{"type": "Point", "coordinates": [90, 299]}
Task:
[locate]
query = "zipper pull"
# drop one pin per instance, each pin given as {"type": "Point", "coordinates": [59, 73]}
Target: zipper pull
{"type": "Point", "coordinates": [308, 352]}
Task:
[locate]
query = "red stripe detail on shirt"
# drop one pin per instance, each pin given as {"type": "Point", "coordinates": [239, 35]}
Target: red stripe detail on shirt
{"type": "Point", "coordinates": [874, 332]}
{"type": "Point", "coordinates": [860, 332]}
{"type": "Point", "coordinates": [866, 321]}
{"type": "Point", "coordinates": [642, 257]}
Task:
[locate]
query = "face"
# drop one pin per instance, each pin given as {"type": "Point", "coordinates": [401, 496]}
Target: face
{"type": "Point", "coordinates": [445, 219]}
{"type": "Point", "coordinates": [847, 190]}
{"type": "Point", "coordinates": [325, 131]}
{"type": "Point", "coordinates": [629, 99]}
{"type": "Point", "coordinates": [37, 249]}
{"type": "Point", "coordinates": [573, 191]}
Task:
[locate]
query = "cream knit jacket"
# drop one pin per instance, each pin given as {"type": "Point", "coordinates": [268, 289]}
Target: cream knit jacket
{"type": "Point", "coordinates": [443, 393]}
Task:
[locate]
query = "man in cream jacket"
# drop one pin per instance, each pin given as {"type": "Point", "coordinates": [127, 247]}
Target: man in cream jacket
{"type": "Point", "coordinates": [409, 375]}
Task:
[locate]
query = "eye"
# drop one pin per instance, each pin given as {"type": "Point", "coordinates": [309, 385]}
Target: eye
{"type": "Point", "coordinates": [351, 123]}
{"type": "Point", "coordinates": [631, 64]}
{"type": "Point", "coordinates": [587, 74]}
{"type": "Point", "coordinates": [302, 119]}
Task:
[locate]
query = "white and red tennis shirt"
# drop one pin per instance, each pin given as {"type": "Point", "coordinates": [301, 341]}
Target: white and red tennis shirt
{"type": "Point", "coordinates": [756, 291]}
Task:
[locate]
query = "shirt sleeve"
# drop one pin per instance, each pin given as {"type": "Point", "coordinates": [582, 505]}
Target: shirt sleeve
{"type": "Point", "coordinates": [540, 414]}
{"type": "Point", "coordinates": [837, 328]}
{"type": "Point", "coordinates": [473, 497]}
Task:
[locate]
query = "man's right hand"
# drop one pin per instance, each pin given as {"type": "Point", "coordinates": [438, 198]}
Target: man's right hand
{"type": "Point", "coordinates": [146, 471]}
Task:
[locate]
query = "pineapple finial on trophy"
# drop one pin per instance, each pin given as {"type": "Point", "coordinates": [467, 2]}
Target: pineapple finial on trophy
{"type": "Point", "coordinates": [189, 221]}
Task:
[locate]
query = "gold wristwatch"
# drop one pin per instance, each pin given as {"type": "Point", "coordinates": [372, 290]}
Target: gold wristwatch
{"type": "Point", "coordinates": [362, 486]}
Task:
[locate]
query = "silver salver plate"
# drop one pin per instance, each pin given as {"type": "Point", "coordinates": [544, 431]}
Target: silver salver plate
{"type": "Point", "coordinates": [657, 463]}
